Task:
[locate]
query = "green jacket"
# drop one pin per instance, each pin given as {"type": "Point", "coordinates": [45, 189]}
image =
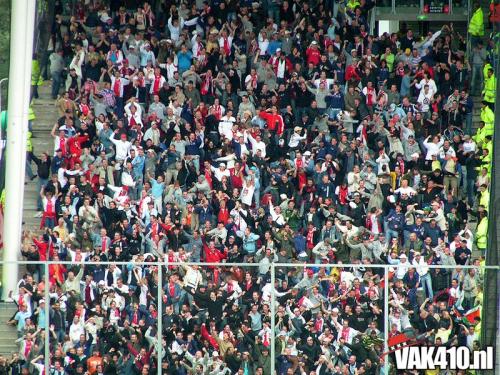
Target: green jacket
{"type": "Point", "coordinates": [476, 23]}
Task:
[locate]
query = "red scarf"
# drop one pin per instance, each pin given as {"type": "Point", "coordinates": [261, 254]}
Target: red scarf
{"type": "Point", "coordinates": [117, 87]}
{"type": "Point", "coordinates": [27, 348]}
{"type": "Point", "coordinates": [156, 84]}
{"type": "Point", "coordinates": [369, 96]}
{"type": "Point", "coordinates": [207, 87]}
{"type": "Point", "coordinates": [50, 207]}
{"type": "Point", "coordinates": [84, 108]}
{"type": "Point", "coordinates": [254, 81]}
{"type": "Point", "coordinates": [171, 259]}
{"type": "Point", "coordinates": [132, 121]}
{"type": "Point", "coordinates": [298, 163]}
{"type": "Point", "coordinates": [345, 333]}
{"type": "Point", "coordinates": [227, 49]}
{"type": "Point", "coordinates": [318, 325]}
{"type": "Point", "coordinates": [310, 239]}
{"type": "Point", "coordinates": [402, 167]}
{"type": "Point", "coordinates": [62, 145]}
{"type": "Point", "coordinates": [265, 340]}
{"type": "Point", "coordinates": [218, 112]}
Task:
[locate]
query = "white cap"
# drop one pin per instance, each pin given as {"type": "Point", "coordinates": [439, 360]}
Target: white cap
{"type": "Point", "coordinates": [215, 354]}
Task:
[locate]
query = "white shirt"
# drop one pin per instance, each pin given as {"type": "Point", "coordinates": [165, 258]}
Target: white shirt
{"type": "Point", "coordinates": [219, 173]}
{"type": "Point", "coordinates": [295, 139]}
{"type": "Point", "coordinates": [401, 269]}
{"type": "Point", "coordinates": [469, 146]}
{"type": "Point", "coordinates": [281, 69]}
{"type": "Point", "coordinates": [257, 146]}
{"type": "Point", "coordinates": [226, 126]}
{"type": "Point", "coordinates": [430, 82]}
{"type": "Point", "coordinates": [432, 148]}
{"type": "Point", "coordinates": [425, 100]}
{"type": "Point", "coordinates": [421, 267]}
{"type": "Point", "coordinates": [122, 147]}
{"type": "Point", "coordinates": [137, 114]}
{"type": "Point", "coordinates": [450, 152]}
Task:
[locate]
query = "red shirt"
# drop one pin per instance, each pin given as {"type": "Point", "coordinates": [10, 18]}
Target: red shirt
{"type": "Point", "coordinates": [274, 122]}
{"type": "Point", "coordinates": [313, 55]}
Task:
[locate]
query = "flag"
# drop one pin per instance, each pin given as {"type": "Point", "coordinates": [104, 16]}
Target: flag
{"type": "Point", "coordinates": [400, 341]}
{"type": "Point", "coordinates": [471, 315]}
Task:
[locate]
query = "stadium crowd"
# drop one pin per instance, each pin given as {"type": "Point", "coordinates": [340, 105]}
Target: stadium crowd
{"type": "Point", "coordinates": [257, 133]}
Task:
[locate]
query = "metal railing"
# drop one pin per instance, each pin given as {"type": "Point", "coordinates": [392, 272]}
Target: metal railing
{"type": "Point", "coordinates": [272, 267]}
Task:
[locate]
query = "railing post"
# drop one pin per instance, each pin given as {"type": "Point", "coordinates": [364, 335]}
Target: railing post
{"type": "Point", "coordinates": [371, 16]}
{"type": "Point", "coordinates": [159, 322]}
{"type": "Point", "coordinates": [273, 320]}
{"type": "Point", "coordinates": [450, 6]}
{"type": "Point", "coordinates": [46, 358]}
{"type": "Point", "coordinates": [393, 6]}
{"type": "Point", "coordinates": [386, 316]}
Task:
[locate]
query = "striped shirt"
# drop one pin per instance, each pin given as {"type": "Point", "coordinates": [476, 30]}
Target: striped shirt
{"type": "Point", "coordinates": [108, 97]}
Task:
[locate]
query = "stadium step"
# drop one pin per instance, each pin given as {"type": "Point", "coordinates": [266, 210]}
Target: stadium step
{"type": "Point", "coordinates": [8, 334]}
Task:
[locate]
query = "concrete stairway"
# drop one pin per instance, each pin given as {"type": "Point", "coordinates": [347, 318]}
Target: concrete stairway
{"type": "Point", "coordinates": [46, 116]}
{"type": "Point", "coordinates": [8, 334]}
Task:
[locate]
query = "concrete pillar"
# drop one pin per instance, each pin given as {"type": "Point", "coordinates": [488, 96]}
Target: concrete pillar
{"type": "Point", "coordinates": [21, 38]}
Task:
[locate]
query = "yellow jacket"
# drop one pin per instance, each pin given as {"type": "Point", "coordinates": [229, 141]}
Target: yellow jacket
{"type": "Point", "coordinates": [476, 23]}
{"type": "Point", "coordinates": [490, 88]}
{"type": "Point", "coordinates": [351, 4]}
{"type": "Point", "coordinates": [480, 136]}
{"type": "Point", "coordinates": [31, 114]}
{"type": "Point", "coordinates": [488, 117]}
{"type": "Point", "coordinates": [36, 77]}
{"type": "Point", "coordinates": [484, 199]}
{"type": "Point", "coordinates": [29, 142]}
{"type": "Point", "coordinates": [482, 233]}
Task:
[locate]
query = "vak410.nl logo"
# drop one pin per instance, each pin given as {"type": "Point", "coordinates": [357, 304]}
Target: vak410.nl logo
{"type": "Point", "coordinates": [440, 357]}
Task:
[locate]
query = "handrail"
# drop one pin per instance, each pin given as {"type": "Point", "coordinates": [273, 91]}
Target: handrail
{"type": "Point", "coordinates": [238, 264]}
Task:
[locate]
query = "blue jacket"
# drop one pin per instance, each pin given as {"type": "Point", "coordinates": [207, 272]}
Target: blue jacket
{"type": "Point", "coordinates": [395, 221]}
{"type": "Point", "coordinates": [336, 100]}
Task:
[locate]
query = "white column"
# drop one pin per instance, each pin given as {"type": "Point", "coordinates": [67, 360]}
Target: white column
{"type": "Point", "coordinates": [21, 49]}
